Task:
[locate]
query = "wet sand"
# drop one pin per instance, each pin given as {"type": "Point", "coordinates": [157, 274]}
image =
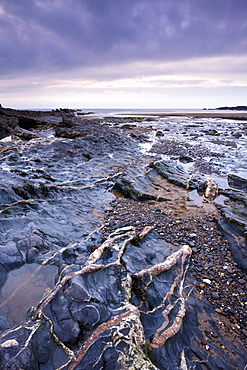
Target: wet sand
{"type": "Point", "coordinates": [230, 115]}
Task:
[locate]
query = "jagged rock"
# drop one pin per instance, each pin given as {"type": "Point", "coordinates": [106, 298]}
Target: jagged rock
{"type": "Point", "coordinates": [3, 323]}
{"type": "Point", "coordinates": [4, 128]}
{"type": "Point", "coordinates": [135, 184]}
{"type": "Point", "coordinates": [119, 301]}
{"type": "Point", "coordinates": [211, 190]}
{"type": "Point", "coordinates": [28, 123]}
{"type": "Point", "coordinates": [128, 306]}
{"type": "Point", "coordinates": [175, 174]}
{"type": "Point", "coordinates": [211, 132]}
{"type": "Point", "coordinates": [237, 241]}
{"type": "Point", "coordinates": [238, 182]}
{"type": "Point", "coordinates": [234, 224]}
{"type": "Point", "coordinates": [185, 158]}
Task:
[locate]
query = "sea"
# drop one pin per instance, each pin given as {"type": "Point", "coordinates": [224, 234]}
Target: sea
{"type": "Point", "coordinates": [120, 111]}
{"type": "Point", "coordinates": [125, 111]}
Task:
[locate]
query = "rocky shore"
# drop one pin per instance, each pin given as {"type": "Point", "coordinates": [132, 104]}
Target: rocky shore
{"type": "Point", "coordinates": [123, 241]}
{"type": "Point", "coordinates": [207, 114]}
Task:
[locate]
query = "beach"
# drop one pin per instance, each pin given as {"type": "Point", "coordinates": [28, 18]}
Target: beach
{"type": "Point", "coordinates": [230, 115]}
{"type": "Point", "coordinates": [126, 232]}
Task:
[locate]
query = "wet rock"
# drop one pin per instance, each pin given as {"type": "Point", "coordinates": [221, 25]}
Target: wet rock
{"type": "Point", "coordinates": [244, 332]}
{"type": "Point", "coordinates": [10, 256]}
{"type": "Point", "coordinates": [211, 190]}
{"type": "Point", "coordinates": [238, 182]}
{"type": "Point", "coordinates": [242, 281]}
{"type": "Point", "coordinates": [172, 172]}
{"type": "Point", "coordinates": [211, 132]}
{"type": "Point", "coordinates": [67, 133]}
{"type": "Point", "coordinates": [175, 174]}
{"type": "Point", "coordinates": [229, 269]}
{"type": "Point", "coordinates": [159, 133]}
{"type": "Point", "coordinates": [4, 323]}
{"type": "Point", "coordinates": [131, 291]}
{"type": "Point", "coordinates": [4, 131]}
{"type": "Point", "coordinates": [137, 185]}
{"type": "Point", "coordinates": [237, 242]}
{"type": "Point", "coordinates": [234, 223]}
{"type": "Point", "coordinates": [185, 158]}
{"type": "Point", "coordinates": [122, 297]}
{"type": "Point", "coordinates": [237, 134]}
{"type": "Point", "coordinates": [67, 331]}
{"type": "Point", "coordinates": [215, 295]}
{"type": "Point", "coordinates": [28, 123]}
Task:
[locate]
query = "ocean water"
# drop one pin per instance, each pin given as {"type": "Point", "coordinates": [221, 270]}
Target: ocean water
{"type": "Point", "coordinates": [115, 111]}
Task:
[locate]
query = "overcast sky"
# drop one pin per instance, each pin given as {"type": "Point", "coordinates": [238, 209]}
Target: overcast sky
{"type": "Point", "coordinates": [123, 53]}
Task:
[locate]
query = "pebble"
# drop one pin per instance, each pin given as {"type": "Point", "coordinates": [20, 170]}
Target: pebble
{"type": "Point", "coordinates": [228, 269]}
{"type": "Point", "coordinates": [214, 334]}
{"type": "Point", "coordinates": [244, 332]}
{"type": "Point", "coordinates": [218, 310]}
{"type": "Point", "coordinates": [207, 281]}
{"type": "Point", "coordinates": [9, 343]}
{"type": "Point", "coordinates": [215, 295]}
{"type": "Point", "coordinates": [242, 281]}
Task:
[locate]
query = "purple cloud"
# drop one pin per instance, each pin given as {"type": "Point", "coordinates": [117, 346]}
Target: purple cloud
{"type": "Point", "coordinates": [42, 35]}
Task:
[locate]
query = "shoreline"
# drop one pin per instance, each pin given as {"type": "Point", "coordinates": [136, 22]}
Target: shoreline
{"type": "Point", "coordinates": [235, 115]}
{"type": "Point", "coordinates": [106, 197]}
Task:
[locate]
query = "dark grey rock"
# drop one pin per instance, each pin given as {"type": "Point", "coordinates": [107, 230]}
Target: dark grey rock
{"type": "Point", "coordinates": [135, 184]}
{"type": "Point", "coordinates": [172, 172]}
{"type": "Point", "coordinates": [237, 242]}
{"type": "Point", "coordinates": [67, 331]}
{"type": "Point", "coordinates": [242, 281]}
{"type": "Point", "coordinates": [215, 295]}
{"type": "Point", "coordinates": [123, 301]}
{"type": "Point", "coordinates": [176, 174]}
{"type": "Point", "coordinates": [238, 182]}
{"type": "Point", "coordinates": [4, 323]}
{"type": "Point", "coordinates": [105, 300]}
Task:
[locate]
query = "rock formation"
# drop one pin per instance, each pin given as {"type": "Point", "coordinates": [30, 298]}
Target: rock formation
{"type": "Point", "coordinates": [114, 295]}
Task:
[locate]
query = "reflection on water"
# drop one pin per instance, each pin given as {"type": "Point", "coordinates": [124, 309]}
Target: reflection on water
{"type": "Point", "coordinates": [147, 146]}
{"type": "Point", "coordinates": [6, 139]}
{"type": "Point", "coordinates": [195, 196]}
{"type": "Point", "coordinates": [24, 288]}
{"type": "Point", "coordinates": [220, 200]}
{"type": "Point", "coordinates": [220, 181]}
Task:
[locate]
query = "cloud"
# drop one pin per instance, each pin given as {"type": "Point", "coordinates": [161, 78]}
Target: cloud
{"type": "Point", "coordinates": [153, 84]}
{"type": "Point", "coordinates": [39, 36]}
{"type": "Point", "coordinates": [120, 52]}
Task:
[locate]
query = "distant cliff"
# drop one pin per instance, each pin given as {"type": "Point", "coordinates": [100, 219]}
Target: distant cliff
{"type": "Point", "coordinates": [239, 107]}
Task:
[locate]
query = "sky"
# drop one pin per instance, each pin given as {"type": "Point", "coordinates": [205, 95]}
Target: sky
{"type": "Point", "coordinates": [123, 53]}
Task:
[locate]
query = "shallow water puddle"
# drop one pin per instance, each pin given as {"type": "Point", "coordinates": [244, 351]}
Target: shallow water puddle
{"type": "Point", "coordinates": [6, 139]}
{"type": "Point", "coordinates": [24, 288]}
{"type": "Point", "coordinates": [147, 146]}
{"type": "Point", "coordinates": [195, 196]}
